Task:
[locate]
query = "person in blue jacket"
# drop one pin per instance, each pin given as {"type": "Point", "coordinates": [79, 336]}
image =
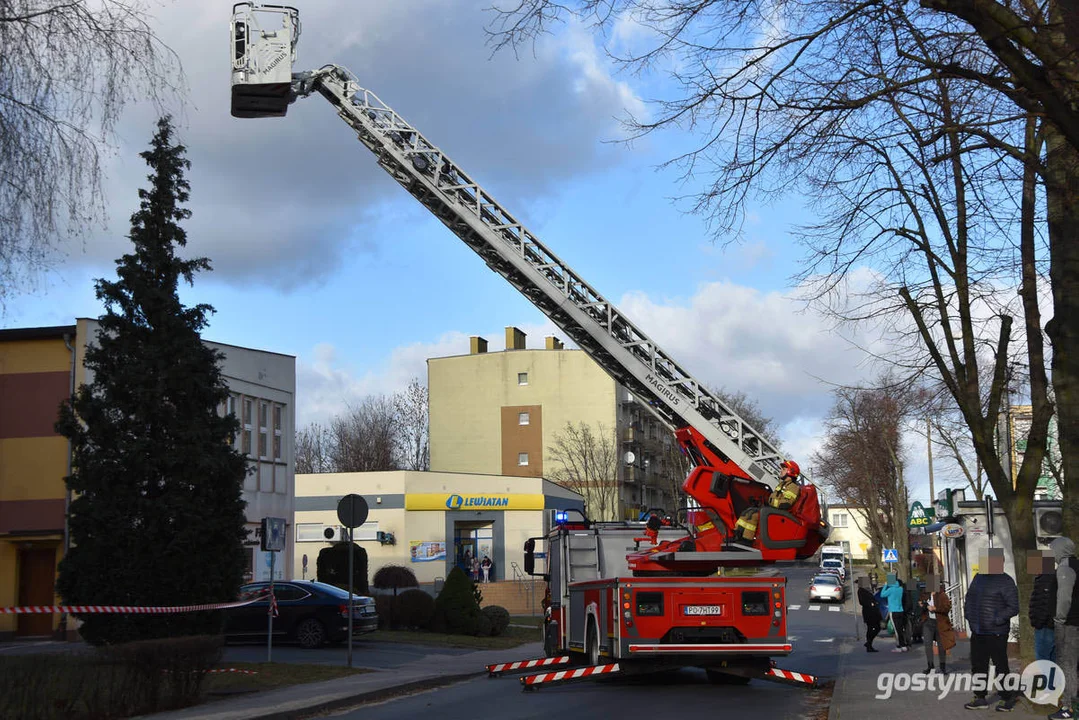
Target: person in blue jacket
{"type": "Point", "coordinates": [893, 594]}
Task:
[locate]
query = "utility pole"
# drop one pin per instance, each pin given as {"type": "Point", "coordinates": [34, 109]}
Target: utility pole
{"type": "Point", "coordinates": [929, 449]}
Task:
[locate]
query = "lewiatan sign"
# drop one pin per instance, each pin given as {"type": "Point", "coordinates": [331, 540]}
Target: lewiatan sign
{"type": "Point", "coordinates": [444, 501]}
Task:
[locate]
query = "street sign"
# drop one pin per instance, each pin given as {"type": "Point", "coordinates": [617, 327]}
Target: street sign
{"type": "Point", "coordinates": [891, 555]}
{"type": "Point", "coordinates": [352, 511]}
{"type": "Point", "coordinates": [919, 516]}
{"type": "Point", "coordinates": [273, 534]}
{"type": "Point", "coordinates": [943, 505]}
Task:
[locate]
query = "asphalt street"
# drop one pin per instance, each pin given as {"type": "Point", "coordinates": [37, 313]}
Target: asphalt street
{"type": "Point", "coordinates": [816, 631]}
{"type": "Point", "coordinates": [365, 653]}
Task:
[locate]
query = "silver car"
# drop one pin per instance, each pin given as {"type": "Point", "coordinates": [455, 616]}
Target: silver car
{"type": "Point", "coordinates": [827, 588]}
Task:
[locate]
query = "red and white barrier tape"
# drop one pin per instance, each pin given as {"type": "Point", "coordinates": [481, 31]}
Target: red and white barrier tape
{"type": "Point", "coordinates": [123, 609]}
{"type": "Point", "coordinates": [788, 675]}
{"type": "Point", "coordinates": [570, 674]}
{"type": "Point", "coordinates": [521, 664]}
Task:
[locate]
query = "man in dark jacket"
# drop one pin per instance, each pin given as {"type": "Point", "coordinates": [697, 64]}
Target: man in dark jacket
{"type": "Point", "coordinates": [1043, 603]}
{"type": "Point", "coordinates": [870, 613]}
{"type": "Point", "coordinates": [992, 601]}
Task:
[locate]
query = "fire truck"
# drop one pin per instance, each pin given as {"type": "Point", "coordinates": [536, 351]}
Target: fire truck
{"type": "Point", "coordinates": [624, 596]}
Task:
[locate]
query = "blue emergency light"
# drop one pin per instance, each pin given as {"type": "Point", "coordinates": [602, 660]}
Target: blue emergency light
{"type": "Point", "coordinates": [561, 516]}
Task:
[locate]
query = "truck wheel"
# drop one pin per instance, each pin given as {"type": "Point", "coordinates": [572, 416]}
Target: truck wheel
{"type": "Point", "coordinates": [721, 678]}
{"type": "Point", "coordinates": [592, 644]}
{"type": "Point", "coordinates": [550, 640]}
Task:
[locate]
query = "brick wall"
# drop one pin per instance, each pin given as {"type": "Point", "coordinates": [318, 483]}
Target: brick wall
{"type": "Point", "coordinates": [515, 596]}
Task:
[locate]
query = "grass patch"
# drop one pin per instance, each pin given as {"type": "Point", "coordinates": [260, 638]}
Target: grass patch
{"type": "Point", "coordinates": [272, 675]}
{"type": "Point", "coordinates": [513, 637]}
{"type": "Point", "coordinates": [536, 622]}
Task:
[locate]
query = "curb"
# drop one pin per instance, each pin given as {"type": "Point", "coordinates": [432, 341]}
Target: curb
{"type": "Point", "coordinates": [369, 696]}
{"type": "Point", "coordinates": [841, 678]}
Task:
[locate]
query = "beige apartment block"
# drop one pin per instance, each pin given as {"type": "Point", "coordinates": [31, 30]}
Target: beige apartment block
{"type": "Point", "coordinates": [498, 413]}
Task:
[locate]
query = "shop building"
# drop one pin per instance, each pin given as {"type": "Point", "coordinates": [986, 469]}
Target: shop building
{"type": "Point", "coordinates": [428, 521]}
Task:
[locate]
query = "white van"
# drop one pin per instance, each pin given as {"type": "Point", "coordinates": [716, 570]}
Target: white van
{"type": "Point", "coordinates": [832, 552]}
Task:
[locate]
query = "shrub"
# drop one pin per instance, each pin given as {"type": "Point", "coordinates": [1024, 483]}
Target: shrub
{"type": "Point", "coordinates": [415, 608]}
{"type": "Point", "coordinates": [117, 681]}
{"type": "Point", "coordinates": [483, 626]}
{"type": "Point", "coordinates": [384, 606]}
{"type": "Point", "coordinates": [332, 567]}
{"type": "Point", "coordinates": [394, 576]}
{"type": "Point", "coordinates": [456, 609]}
{"type": "Point", "coordinates": [499, 617]}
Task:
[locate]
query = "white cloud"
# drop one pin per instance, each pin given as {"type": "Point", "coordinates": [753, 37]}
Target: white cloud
{"type": "Point", "coordinates": [281, 201]}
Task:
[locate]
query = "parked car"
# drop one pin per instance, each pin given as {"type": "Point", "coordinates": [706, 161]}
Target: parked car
{"type": "Point", "coordinates": [836, 572]}
{"type": "Point", "coordinates": [828, 588]}
{"type": "Point", "coordinates": [834, 564]}
{"type": "Point", "coordinates": [311, 613]}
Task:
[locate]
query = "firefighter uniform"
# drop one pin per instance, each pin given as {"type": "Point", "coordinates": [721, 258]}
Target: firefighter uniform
{"type": "Point", "coordinates": [782, 498]}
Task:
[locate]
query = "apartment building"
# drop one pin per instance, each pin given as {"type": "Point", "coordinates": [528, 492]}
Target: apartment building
{"type": "Point", "coordinates": [501, 413]}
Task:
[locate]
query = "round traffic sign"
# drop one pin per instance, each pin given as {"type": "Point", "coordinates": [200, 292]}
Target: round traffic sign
{"type": "Point", "coordinates": [352, 511]}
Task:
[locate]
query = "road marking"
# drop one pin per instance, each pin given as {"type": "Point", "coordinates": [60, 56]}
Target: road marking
{"type": "Point", "coordinates": [794, 607]}
{"type": "Point", "coordinates": [834, 609]}
{"type": "Point", "coordinates": [826, 641]}
{"type": "Point", "coordinates": [792, 638]}
{"type": "Point", "coordinates": [814, 607]}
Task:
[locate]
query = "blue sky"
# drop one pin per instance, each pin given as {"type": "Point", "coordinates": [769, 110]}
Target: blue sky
{"type": "Point", "coordinates": [320, 255]}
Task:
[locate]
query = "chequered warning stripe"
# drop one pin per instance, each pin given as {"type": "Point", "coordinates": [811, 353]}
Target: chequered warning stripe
{"type": "Point", "coordinates": [122, 609]}
{"type": "Point", "coordinates": [522, 664]}
{"type": "Point", "coordinates": [788, 675]}
{"type": "Point", "coordinates": [569, 674]}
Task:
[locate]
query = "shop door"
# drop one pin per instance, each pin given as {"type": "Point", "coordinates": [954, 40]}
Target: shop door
{"type": "Point", "coordinates": [37, 578]}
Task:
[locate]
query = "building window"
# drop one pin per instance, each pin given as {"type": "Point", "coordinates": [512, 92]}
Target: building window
{"type": "Point", "coordinates": [310, 532]}
{"type": "Point", "coordinates": [264, 429]}
{"type": "Point", "coordinates": [839, 520]}
{"type": "Point", "coordinates": [247, 430]}
{"type": "Point", "coordinates": [522, 459]}
{"type": "Point", "coordinates": [522, 418]}
{"type": "Point", "coordinates": [277, 412]}
{"type": "Point", "coordinates": [522, 378]}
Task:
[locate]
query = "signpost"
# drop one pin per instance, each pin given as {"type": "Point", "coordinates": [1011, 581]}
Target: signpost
{"type": "Point", "coordinates": [273, 542]}
{"type": "Point", "coordinates": [891, 555]}
{"type": "Point", "coordinates": [989, 518]}
{"type": "Point", "coordinates": [352, 512]}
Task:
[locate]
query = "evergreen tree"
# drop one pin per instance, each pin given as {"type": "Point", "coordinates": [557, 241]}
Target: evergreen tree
{"type": "Point", "coordinates": [157, 516]}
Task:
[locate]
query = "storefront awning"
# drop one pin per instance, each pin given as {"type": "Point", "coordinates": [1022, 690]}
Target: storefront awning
{"type": "Point", "coordinates": [935, 527]}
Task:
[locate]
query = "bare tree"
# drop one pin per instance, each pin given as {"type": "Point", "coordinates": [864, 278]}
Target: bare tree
{"type": "Point", "coordinates": [365, 437]}
{"type": "Point", "coordinates": [412, 414]}
{"type": "Point", "coordinates": [901, 123]}
{"type": "Point", "coordinates": [68, 69]}
{"type": "Point", "coordinates": [750, 411]}
{"type": "Point", "coordinates": [585, 461]}
{"type": "Point", "coordinates": [862, 460]}
{"type": "Point", "coordinates": [314, 449]}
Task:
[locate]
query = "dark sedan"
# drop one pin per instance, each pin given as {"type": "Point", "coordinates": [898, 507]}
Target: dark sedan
{"type": "Point", "coordinates": [311, 613]}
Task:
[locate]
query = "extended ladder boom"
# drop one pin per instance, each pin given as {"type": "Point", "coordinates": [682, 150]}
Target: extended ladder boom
{"type": "Point", "coordinates": [503, 242]}
{"type": "Point", "coordinates": [264, 39]}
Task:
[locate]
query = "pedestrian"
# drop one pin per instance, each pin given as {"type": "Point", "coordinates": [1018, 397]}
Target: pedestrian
{"type": "Point", "coordinates": [870, 613]}
{"type": "Point", "coordinates": [992, 601]}
{"type": "Point", "coordinates": [893, 594]}
{"type": "Point", "coordinates": [1043, 603]}
{"type": "Point", "coordinates": [486, 567]}
{"type": "Point", "coordinates": [476, 569]}
{"type": "Point", "coordinates": [1066, 624]}
{"type": "Point", "coordinates": [936, 625]}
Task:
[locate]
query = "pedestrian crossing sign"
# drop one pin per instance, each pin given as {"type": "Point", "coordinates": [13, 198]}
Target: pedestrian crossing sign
{"type": "Point", "coordinates": [890, 555]}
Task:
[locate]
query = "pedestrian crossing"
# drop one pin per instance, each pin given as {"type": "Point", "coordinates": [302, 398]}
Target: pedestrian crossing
{"type": "Point", "coordinates": [816, 608]}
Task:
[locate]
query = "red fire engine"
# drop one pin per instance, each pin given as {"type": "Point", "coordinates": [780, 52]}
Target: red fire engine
{"type": "Point", "coordinates": [624, 596]}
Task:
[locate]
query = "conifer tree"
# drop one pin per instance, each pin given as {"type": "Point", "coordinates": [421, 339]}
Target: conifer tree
{"type": "Point", "coordinates": [157, 516]}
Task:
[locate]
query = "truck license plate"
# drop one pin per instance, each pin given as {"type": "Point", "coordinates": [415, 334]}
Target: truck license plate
{"type": "Point", "coordinates": [703, 610]}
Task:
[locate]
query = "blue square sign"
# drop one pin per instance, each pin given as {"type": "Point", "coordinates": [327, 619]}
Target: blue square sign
{"type": "Point", "coordinates": [273, 534]}
{"type": "Point", "coordinates": [891, 555]}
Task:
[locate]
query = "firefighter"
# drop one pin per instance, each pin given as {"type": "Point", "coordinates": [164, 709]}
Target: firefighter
{"type": "Point", "coordinates": [782, 498]}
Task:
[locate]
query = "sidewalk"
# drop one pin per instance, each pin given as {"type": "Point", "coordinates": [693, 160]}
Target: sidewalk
{"type": "Point", "coordinates": [857, 686]}
{"type": "Point", "coordinates": [433, 670]}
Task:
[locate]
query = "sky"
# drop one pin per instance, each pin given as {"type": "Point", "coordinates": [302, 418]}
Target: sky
{"type": "Point", "coordinates": [317, 253]}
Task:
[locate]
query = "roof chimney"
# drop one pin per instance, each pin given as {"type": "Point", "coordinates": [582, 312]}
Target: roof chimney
{"type": "Point", "coordinates": [553, 343]}
{"type": "Point", "coordinates": [476, 345]}
{"type": "Point", "coordinates": [515, 339]}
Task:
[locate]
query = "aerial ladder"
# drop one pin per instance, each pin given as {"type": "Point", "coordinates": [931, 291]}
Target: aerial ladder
{"type": "Point", "coordinates": [735, 469]}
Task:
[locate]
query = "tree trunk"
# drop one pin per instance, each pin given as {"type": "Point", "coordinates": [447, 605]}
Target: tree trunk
{"type": "Point", "coordinates": [1020, 515]}
{"type": "Point", "coordinates": [1062, 201]}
